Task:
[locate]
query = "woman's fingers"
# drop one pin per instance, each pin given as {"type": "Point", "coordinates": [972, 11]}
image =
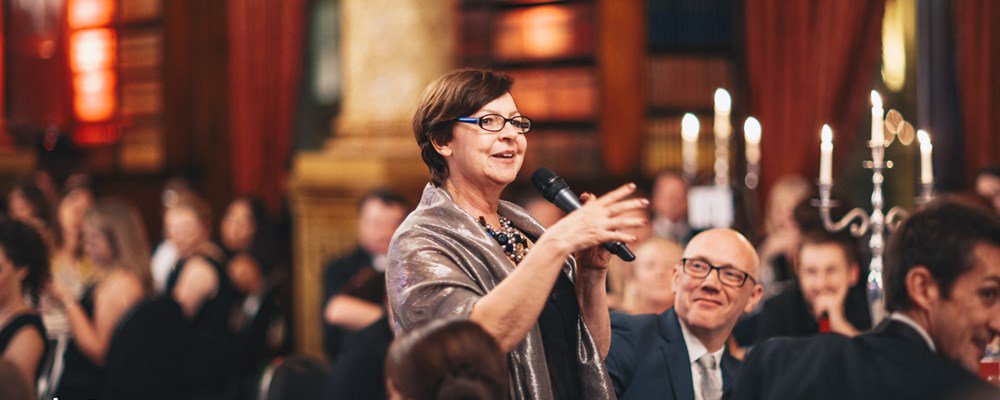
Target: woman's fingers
{"type": "Point", "coordinates": [616, 195]}
{"type": "Point", "coordinates": [628, 205]}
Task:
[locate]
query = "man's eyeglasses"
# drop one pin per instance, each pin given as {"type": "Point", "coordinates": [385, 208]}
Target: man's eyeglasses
{"type": "Point", "coordinates": [729, 276]}
{"type": "Point", "coordinates": [495, 122]}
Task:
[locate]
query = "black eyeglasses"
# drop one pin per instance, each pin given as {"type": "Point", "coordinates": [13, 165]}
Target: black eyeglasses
{"type": "Point", "coordinates": [729, 276]}
{"type": "Point", "coordinates": [495, 122]}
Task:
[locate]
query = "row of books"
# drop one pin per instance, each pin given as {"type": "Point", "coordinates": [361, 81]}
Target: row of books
{"type": "Point", "coordinates": [690, 24]}
{"type": "Point", "coordinates": [572, 153]}
{"type": "Point", "coordinates": [544, 32]}
{"type": "Point", "coordinates": [664, 145]}
{"type": "Point", "coordinates": [686, 81]}
{"type": "Point", "coordinates": [559, 94]}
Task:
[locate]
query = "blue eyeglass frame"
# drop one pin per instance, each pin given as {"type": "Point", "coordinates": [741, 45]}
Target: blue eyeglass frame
{"type": "Point", "coordinates": [479, 121]}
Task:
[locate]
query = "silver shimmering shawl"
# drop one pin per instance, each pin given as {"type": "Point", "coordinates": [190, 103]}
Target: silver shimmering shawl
{"type": "Point", "coordinates": [441, 261]}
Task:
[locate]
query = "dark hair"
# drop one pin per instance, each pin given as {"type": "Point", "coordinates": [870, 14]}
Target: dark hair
{"type": "Point", "coordinates": [941, 238]}
{"type": "Point", "coordinates": [25, 248]}
{"type": "Point", "coordinates": [386, 196]}
{"type": "Point", "coordinates": [263, 244]}
{"type": "Point", "coordinates": [39, 204]}
{"type": "Point", "coordinates": [842, 240]}
{"type": "Point", "coordinates": [448, 359]}
{"type": "Point", "coordinates": [457, 94]}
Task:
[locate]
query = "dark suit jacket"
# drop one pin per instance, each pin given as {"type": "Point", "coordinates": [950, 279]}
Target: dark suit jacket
{"type": "Point", "coordinates": [649, 359]}
{"type": "Point", "coordinates": [892, 362]}
{"type": "Point", "coordinates": [787, 314]}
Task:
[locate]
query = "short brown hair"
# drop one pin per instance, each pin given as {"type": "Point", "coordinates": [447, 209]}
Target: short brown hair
{"type": "Point", "coordinates": [447, 359]}
{"type": "Point", "coordinates": [457, 94]}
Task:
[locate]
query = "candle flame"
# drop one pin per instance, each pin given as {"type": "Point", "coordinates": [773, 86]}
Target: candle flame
{"type": "Point", "coordinates": [827, 134]}
{"type": "Point", "coordinates": [876, 100]}
{"type": "Point", "coordinates": [751, 130]}
{"type": "Point", "coordinates": [723, 103]}
{"type": "Point", "coordinates": [923, 138]}
{"type": "Point", "coordinates": [690, 127]}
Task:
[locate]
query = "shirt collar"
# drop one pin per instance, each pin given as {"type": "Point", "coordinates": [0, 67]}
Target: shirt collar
{"type": "Point", "coordinates": [696, 348]}
{"type": "Point", "coordinates": [913, 324]}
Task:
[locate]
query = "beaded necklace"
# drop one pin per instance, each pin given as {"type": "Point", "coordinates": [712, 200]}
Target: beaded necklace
{"type": "Point", "coordinates": [514, 244]}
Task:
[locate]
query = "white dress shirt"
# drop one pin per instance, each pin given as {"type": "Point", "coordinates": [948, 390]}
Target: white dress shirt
{"type": "Point", "coordinates": [696, 349]}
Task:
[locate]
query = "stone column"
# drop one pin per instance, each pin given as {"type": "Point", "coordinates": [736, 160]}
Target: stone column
{"type": "Point", "coordinates": [391, 50]}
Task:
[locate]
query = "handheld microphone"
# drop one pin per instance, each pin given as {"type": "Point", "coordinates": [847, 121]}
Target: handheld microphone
{"type": "Point", "coordinates": [554, 189]}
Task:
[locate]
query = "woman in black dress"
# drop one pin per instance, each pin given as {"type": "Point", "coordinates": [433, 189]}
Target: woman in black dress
{"type": "Point", "coordinates": [24, 269]}
{"type": "Point", "coordinates": [115, 241]}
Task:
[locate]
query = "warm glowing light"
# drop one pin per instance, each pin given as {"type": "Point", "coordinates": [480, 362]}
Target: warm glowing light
{"type": "Point", "coordinates": [876, 100]}
{"type": "Point", "coordinates": [826, 134]}
{"type": "Point", "coordinates": [723, 103]}
{"type": "Point", "coordinates": [923, 138]}
{"type": "Point", "coordinates": [94, 98]}
{"type": "Point", "coordinates": [92, 49]}
{"type": "Point", "coordinates": [894, 23]}
{"type": "Point", "coordinates": [751, 130]}
{"type": "Point", "coordinates": [89, 13]}
{"type": "Point", "coordinates": [545, 32]}
{"type": "Point", "coordinates": [689, 127]}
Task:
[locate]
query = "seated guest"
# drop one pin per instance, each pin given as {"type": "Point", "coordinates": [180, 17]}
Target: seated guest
{"type": "Point", "coordinates": [942, 287]}
{"type": "Point", "coordinates": [358, 372]}
{"type": "Point", "coordinates": [115, 241]}
{"type": "Point", "coordinates": [446, 359]}
{"type": "Point", "coordinates": [669, 205]}
{"type": "Point", "coordinates": [24, 269]}
{"type": "Point", "coordinates": [650, 288]}
{"type": "Point", "coordinates": [987, 186]}
{"type": "Point", "coordinates": [824, 299]}
{"type": "Point", "coordinates": [680, 353]}
{"type": "Point", "coordinates": [354, 285]}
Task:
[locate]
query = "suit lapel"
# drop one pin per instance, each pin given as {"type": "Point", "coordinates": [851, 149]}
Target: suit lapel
{"type": "Point", "coordinates": [675, 355]}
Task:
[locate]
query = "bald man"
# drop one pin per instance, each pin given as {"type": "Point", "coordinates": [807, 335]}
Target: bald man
{"type": "Point", "coordinates": [680, 354]}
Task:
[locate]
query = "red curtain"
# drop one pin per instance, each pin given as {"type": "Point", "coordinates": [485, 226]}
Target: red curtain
{"type": "Point", "coordinates": [809, 62]}
{"type": "Point", "coordinates": [977, 54]}
{"type": "Point", "coordinates": [265, 51]}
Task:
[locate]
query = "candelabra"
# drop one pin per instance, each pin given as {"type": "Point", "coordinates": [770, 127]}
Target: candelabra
{"type": "Point", "coordinates": [878, 222]}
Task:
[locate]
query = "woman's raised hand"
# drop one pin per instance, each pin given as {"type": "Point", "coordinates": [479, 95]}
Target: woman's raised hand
{"type": "Point", "coordinates": [600, 220]}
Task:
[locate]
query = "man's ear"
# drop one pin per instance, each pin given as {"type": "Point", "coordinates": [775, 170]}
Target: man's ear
{"type": "Point", "coordinates": [758, 293]}
{"type": "Point", "coordinates": [922, 288]}
{"type": "Point", "coordinates": [443, 149]}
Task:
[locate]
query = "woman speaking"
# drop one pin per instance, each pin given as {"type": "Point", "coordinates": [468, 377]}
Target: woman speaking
{"type": "Point", "coordinates": [465, 253]}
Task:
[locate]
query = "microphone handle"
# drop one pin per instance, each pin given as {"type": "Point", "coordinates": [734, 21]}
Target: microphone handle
{"type": "Point", "coordinates": [567, 201]}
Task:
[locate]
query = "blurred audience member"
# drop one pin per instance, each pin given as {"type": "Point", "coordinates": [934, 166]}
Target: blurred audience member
{"type": "Point", "coordinates": [542, 210]}
{"type": "Point", "coordinates": [942, 288]}
{"type": "Point", "coordinates": [70, 267]}
{"type": "Point", "coordinates": [781, 233]}
{"type": "Point", "coordinates": [650, 291]}
{"type": "Point", "coordinates": [681, 353]}
{"type": "Point", "coordinates": [354, 285]}
{"type": "Point", "coordinates": [988, 186]}
{"type": "Point", "coordinates": [249, 243]}
{"type": "Point", "coordinates": [823, 301]}
{"type": "Point", "coordinates": [27, 203]}
{"type": "Point", "coordinates": [165, 254]}
{"type": "Point", "coordinates": [669, 204]}
{"type": "Point", "coordinates": [446, 359]}
{"type": "Point", "coordinates": [198, 282]}
{"type": "Point", "coordinates": [114, 238]}
{"type": "Point", "coordinates": [24, 269]}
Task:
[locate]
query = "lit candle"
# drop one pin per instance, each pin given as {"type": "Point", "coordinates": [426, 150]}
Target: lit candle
{"type": "Point", "coordinates": [877, 135]}
{"type": "Point", "coordinates": [751, 133]}
{"type": "Point", "coordinates": [723, 106]}
{"type": "Point", "coordinates": [926, 171]}
{"type": "Point", "coordinates": [826, 156]}
{"type": "Point", "coordinates": [689, 133]}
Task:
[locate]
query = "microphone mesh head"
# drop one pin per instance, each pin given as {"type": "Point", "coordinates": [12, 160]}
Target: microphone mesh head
{"type": "Point", "coordinates": [547, 182]}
